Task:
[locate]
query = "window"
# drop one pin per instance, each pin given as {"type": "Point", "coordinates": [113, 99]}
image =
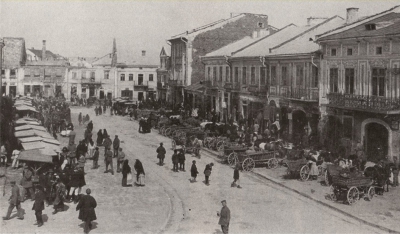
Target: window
{"type": "Point", "coordinates": [59, 73]}
{"type": "Point", "coordinates": [3, 72]}
{"type": "Point", "coordinates": [106, 75]}
{"type": "Point", "coordinates": [370, 27]}
{"type": "Point", "coordinates": [130, 77]}
{"type": "Point", "coordinates": [215, 73]}
{"type": "Point", "coordinates": [349, 51]}
{"type": "Point", "coordinates": [349, 80]}
{"type": "Point", "coordinates": [92, 75]}
{"type": "Point", "coordinates": [262, 75]}
{"type": "Point", "coordinates": [244, 73]}
{"type": "Point", "coordinates": [220, 73]}
{"type": "Point", "coordinates": [333, 80]}
{"type": "Point", "coordinates": [253, 75]}
{"type": "Point", "coordinates": [333, 52]}
{"type": "Point", "coordinates": [236, 74]}
{"type": "Point", "coordinates": [299, 75]}
{"type": "Point", "coordinates": [347, 127]}
{"type": "Point", "coordinates": [37, 73]}
{"type": "Point", "coordinates": [378, 82]}
{"type": "Point", "coordinates": [273, 75]}
{"type": "Point", "coordinates": [284, 75]}
{"type": "Point", "coordinates": [209, 73]}
{"type": "Point", "coordinates": [314, 81]}
{"type": "Point", "coordinates": [12, 73]}
{"type": "Point", "coordinates": [27, 89]}
{"type": "Point", "coordinates": [122, 77]}
{"type": "Point", "coordinates": [378, 50]}
{"type": "Point", "coordinates": [227, 78]}
{"type": "Point", "coordinates": [27, 73]}
{"type": "Point", "coordinates": [83, 74]}
{"type": "Point", "coordinates": [140, 79]}
{"type": "Point", "coordinates": [151, 77]}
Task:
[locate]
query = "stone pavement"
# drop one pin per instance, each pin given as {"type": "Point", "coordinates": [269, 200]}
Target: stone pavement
{"type": "Point", "coordinates": [170, 203]}
{"type": "Point", "coordinates": [383, 211]}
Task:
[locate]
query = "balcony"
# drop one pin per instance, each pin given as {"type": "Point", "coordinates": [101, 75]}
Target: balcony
{"type": "Point", "coordinates": [91, 81]}
{"type": "Point", "coordinates": [161, 85]}
{"type": "Point", "coordinates": [140, 86]}
{"type": "Point", "coordinates": [176, 83]}
{"type": "Point", "coordinates": [301, 94]}
{"type": "Point", "coordinates": [259, 91]}
{"type": "Point", "coordinates": [363, 102]}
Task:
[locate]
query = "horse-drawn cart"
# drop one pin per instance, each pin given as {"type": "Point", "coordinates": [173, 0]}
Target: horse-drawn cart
{"type": "Point", "coordinates": [351, 188]}
{"type": "Point", "coordinates": [298, 167]}
{"type": "Point", "coordinates": [249, 160]}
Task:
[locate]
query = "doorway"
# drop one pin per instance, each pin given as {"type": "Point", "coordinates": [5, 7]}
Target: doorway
{"type": "Point", "coordinates": [101, 94]}
{"type": "Point", "coordinates": [12, 91]}
{"type": "Point", "coordinates": [140, 96]}
{"type": "Point", "coordinates": [91, 91]}
{"type": "Point", "coordinates": [377, 137]}
{"type": "Point", "coordinates": [299, 123]}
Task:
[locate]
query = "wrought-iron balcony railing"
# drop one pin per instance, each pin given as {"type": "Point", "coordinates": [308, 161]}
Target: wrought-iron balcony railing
{"type": "Point", "coordinates": [304, 94]}
{"type": "Point", "coordinates": [176, 83]}
{"type": "Point", "coordinates": [364, 102]}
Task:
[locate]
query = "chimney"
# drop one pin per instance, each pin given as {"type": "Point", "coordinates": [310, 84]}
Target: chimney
{"type": "Point", "coordinates": [44, 50]}
{"type": "Point", "coordinates": [352, 15]}
{"type": "Point", "coordinates": [143, 53]}
{"type": "Point", "coordinates": [315, 20]}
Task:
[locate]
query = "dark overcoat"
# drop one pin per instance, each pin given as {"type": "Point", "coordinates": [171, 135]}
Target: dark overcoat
{"type": "Point", "coordinates": [193, 171]}
{"type": "Point", "coordinates": [38, 205]}
{"type": "Point", "coordinates": [86, 207]}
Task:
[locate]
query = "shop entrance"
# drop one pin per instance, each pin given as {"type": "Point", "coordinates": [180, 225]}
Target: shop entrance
{"type": "Point", "coordinates": [377, 137]}
{"type": "Point", "coordinates": [299, 124]}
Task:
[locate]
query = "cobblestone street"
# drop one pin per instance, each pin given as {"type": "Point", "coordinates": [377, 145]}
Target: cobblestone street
{"type": "Point", "coordinates": [170, 203]}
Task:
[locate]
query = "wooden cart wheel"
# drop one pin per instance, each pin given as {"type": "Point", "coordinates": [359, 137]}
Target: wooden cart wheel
{"type": "Point", "coordinates": [353, 195]}
{"type": "Point", "coordinates": [160, 130]}
{"type": "Point", "coordinates": [332, 193]}
{"type": "Point", "coordinates": [167, 132]}
{"type": "Point", "coordinates": [248, 164]}
{"type": "Point", "coordinates": [371, 193]}
{"type": "Point", "coordinates": [232, 158]}
{"type": "Point", "coordinates": [273, 163]}
{"type": "Point", "coordinates": [304, 172]}
{"type": "Point", "coordinates": [326, 178]}
{"type": "Point", "coordinates": [173, 143]}
{"type": "Point", "coordinates": [220, 146]}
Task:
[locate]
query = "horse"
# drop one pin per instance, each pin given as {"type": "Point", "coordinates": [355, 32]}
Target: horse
{"type": "Point", "coordinates": [380, 175]}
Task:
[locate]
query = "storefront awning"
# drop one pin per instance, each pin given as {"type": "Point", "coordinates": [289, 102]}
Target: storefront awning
{"type": "Point", "coordinates": [37, 155]}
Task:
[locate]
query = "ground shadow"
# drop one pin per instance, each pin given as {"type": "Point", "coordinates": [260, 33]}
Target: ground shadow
{"type": "Point", "coordinates": [65, 208]}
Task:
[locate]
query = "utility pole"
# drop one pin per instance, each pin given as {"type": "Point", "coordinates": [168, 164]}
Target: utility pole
{"type": "Point", "coordinates": [1, 78]}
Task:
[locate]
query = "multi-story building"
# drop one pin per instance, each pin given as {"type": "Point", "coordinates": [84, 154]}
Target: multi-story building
{"type": "Point", "coordinates": [44, 73]}
{"type": "Point", "coordinates": [286, 65]}
{"type": "Point", "coordinates": [12, 71]}
{"type": "Point", "coordinates": [360, 84]}
{"type": "Point", "coordinates": [137, 78]}
{"type": "Point", "coordinates": [187, 48]}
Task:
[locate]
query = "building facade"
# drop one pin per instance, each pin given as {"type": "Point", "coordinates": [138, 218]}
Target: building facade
{"type": "Point", "coordinates": [186, 67]}
{"type": "Point", "coordinates": [163, 75]}
{"type": "Point", "coordinates": [360, 84]}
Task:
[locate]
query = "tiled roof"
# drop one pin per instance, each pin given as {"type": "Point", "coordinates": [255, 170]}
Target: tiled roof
{"type": "Point", "coordinates": [302, 44]}
{"type": "Point", "coordinates": [14, 54]}
{"type": "Point", "coordinates": [49, 54]}
{"type": "Point", "coordinates": [230, 48]}
{"type": "Point", "coordinates": [261, 47]}
{"type": "Point", "coordinates": [105, 60]}
{"type": "Point", "coordinates": [387, 23]}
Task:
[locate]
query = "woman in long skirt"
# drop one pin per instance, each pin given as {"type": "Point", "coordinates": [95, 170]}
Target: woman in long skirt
{"type": "Point", "coordinates": [139, 172]}
{"type": "Point", "coordinates": [99, 138]}
{"type": "Point", "coordinates": [126, 169]}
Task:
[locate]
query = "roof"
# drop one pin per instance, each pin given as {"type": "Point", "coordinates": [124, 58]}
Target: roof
{"type": "Point", "coordinates": [28, 126]}
{"type": "Point", "coordinates": [36, 155]}
{"type": "Point", "coordinates": [216, 24]}
{"type": "Point", "coordinates": [196, 87]}
{"type": "Point", "coordinates": [25, 133]}
{"type": "Point", "coordinates": [30, 139]}
{"type": "Point", "coordinates": [302, 44]}
{"type": "Point", "coordinates": [49, 54]}
{"type": "Point", "coordinates": [22, 122]}
{"type": "Point", "coordinates": [261, 47]}
{"type": "Point", "coordinates": [14, 54]}
{"type": "Point", "coordinates": [105, 60]}
{"type": "Point", "coordinates": [228, 49]}
{"type": "Point", "coordinates": [387, 23]}
{"type": "Point", "coordinates": [25, 108]}
{"type": "Point", "coordinates": [32, 145]}
{"type": "Point", "coordinates": [165, 52]}
{"type": "Point", "coordinates": [43, 134]}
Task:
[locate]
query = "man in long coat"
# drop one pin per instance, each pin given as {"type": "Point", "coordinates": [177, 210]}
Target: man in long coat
{"type": "Point", "coordinates": [38, 205]}
{"type": "Point", "coordinates": [224, 217]}
{"type": "Point", "coordinates": [27, 183]}
{"type": "Point", "coordinates": [116, 144]}
{"type": "Point", "coordinates": [15, 201]}
{"type": "Point", "coordinates": [86, 207]}
{"type": "Point", "coordinates": [107, 144]}
{"type": "Point", "coordinates": [161, 154]}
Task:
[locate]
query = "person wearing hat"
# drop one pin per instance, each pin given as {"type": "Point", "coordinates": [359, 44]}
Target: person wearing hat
{"type": "Point", "coordinates": [63, 157]}
{"type": "Point", "coordinates": [207, 172]}
{"type": "Point", "coordinates": [38, 205]}
{"type": "Point", "coordinates": [175, 160]}
{"type": "Point", "coordinates": [107, 144]}
{"type": "Point", "coordinates": [15, 201]}
{"type": "Point", "coordinates": [116, 144]}
{"type": "Point", "coordinates": [236, 180]}
{"type": "Point", "coordinates": [193, 171]}
{"type": "Point", "coordinates": [27, 183]}
{"type": "Point", "coordinates": [96, 158]}
{"type": "Point", "coordinates": [60, 195]}
{"type": "Point", "coordinates": [108, 160]}
{"type": "Point", "coordinates": [224, 217]}
{"type": "Point", "coordinates": [161, 154]}
{"type": "Point", "coordinates": [182, 159]}
{"type": "Point", "coordinates": [86, 207]}
{"type": "Point", "coordinates": [120, 159]}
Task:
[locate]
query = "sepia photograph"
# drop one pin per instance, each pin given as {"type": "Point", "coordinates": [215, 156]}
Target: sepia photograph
{"type": "Point", "coordinates": [199, 116]}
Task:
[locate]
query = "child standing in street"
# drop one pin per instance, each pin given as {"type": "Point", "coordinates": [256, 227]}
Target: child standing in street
{"type": "Point", "coordinates": [235, 182]}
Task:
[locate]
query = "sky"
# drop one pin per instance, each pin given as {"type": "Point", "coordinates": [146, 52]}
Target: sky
{"type": "Point", "coordinates": [87, 28]}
